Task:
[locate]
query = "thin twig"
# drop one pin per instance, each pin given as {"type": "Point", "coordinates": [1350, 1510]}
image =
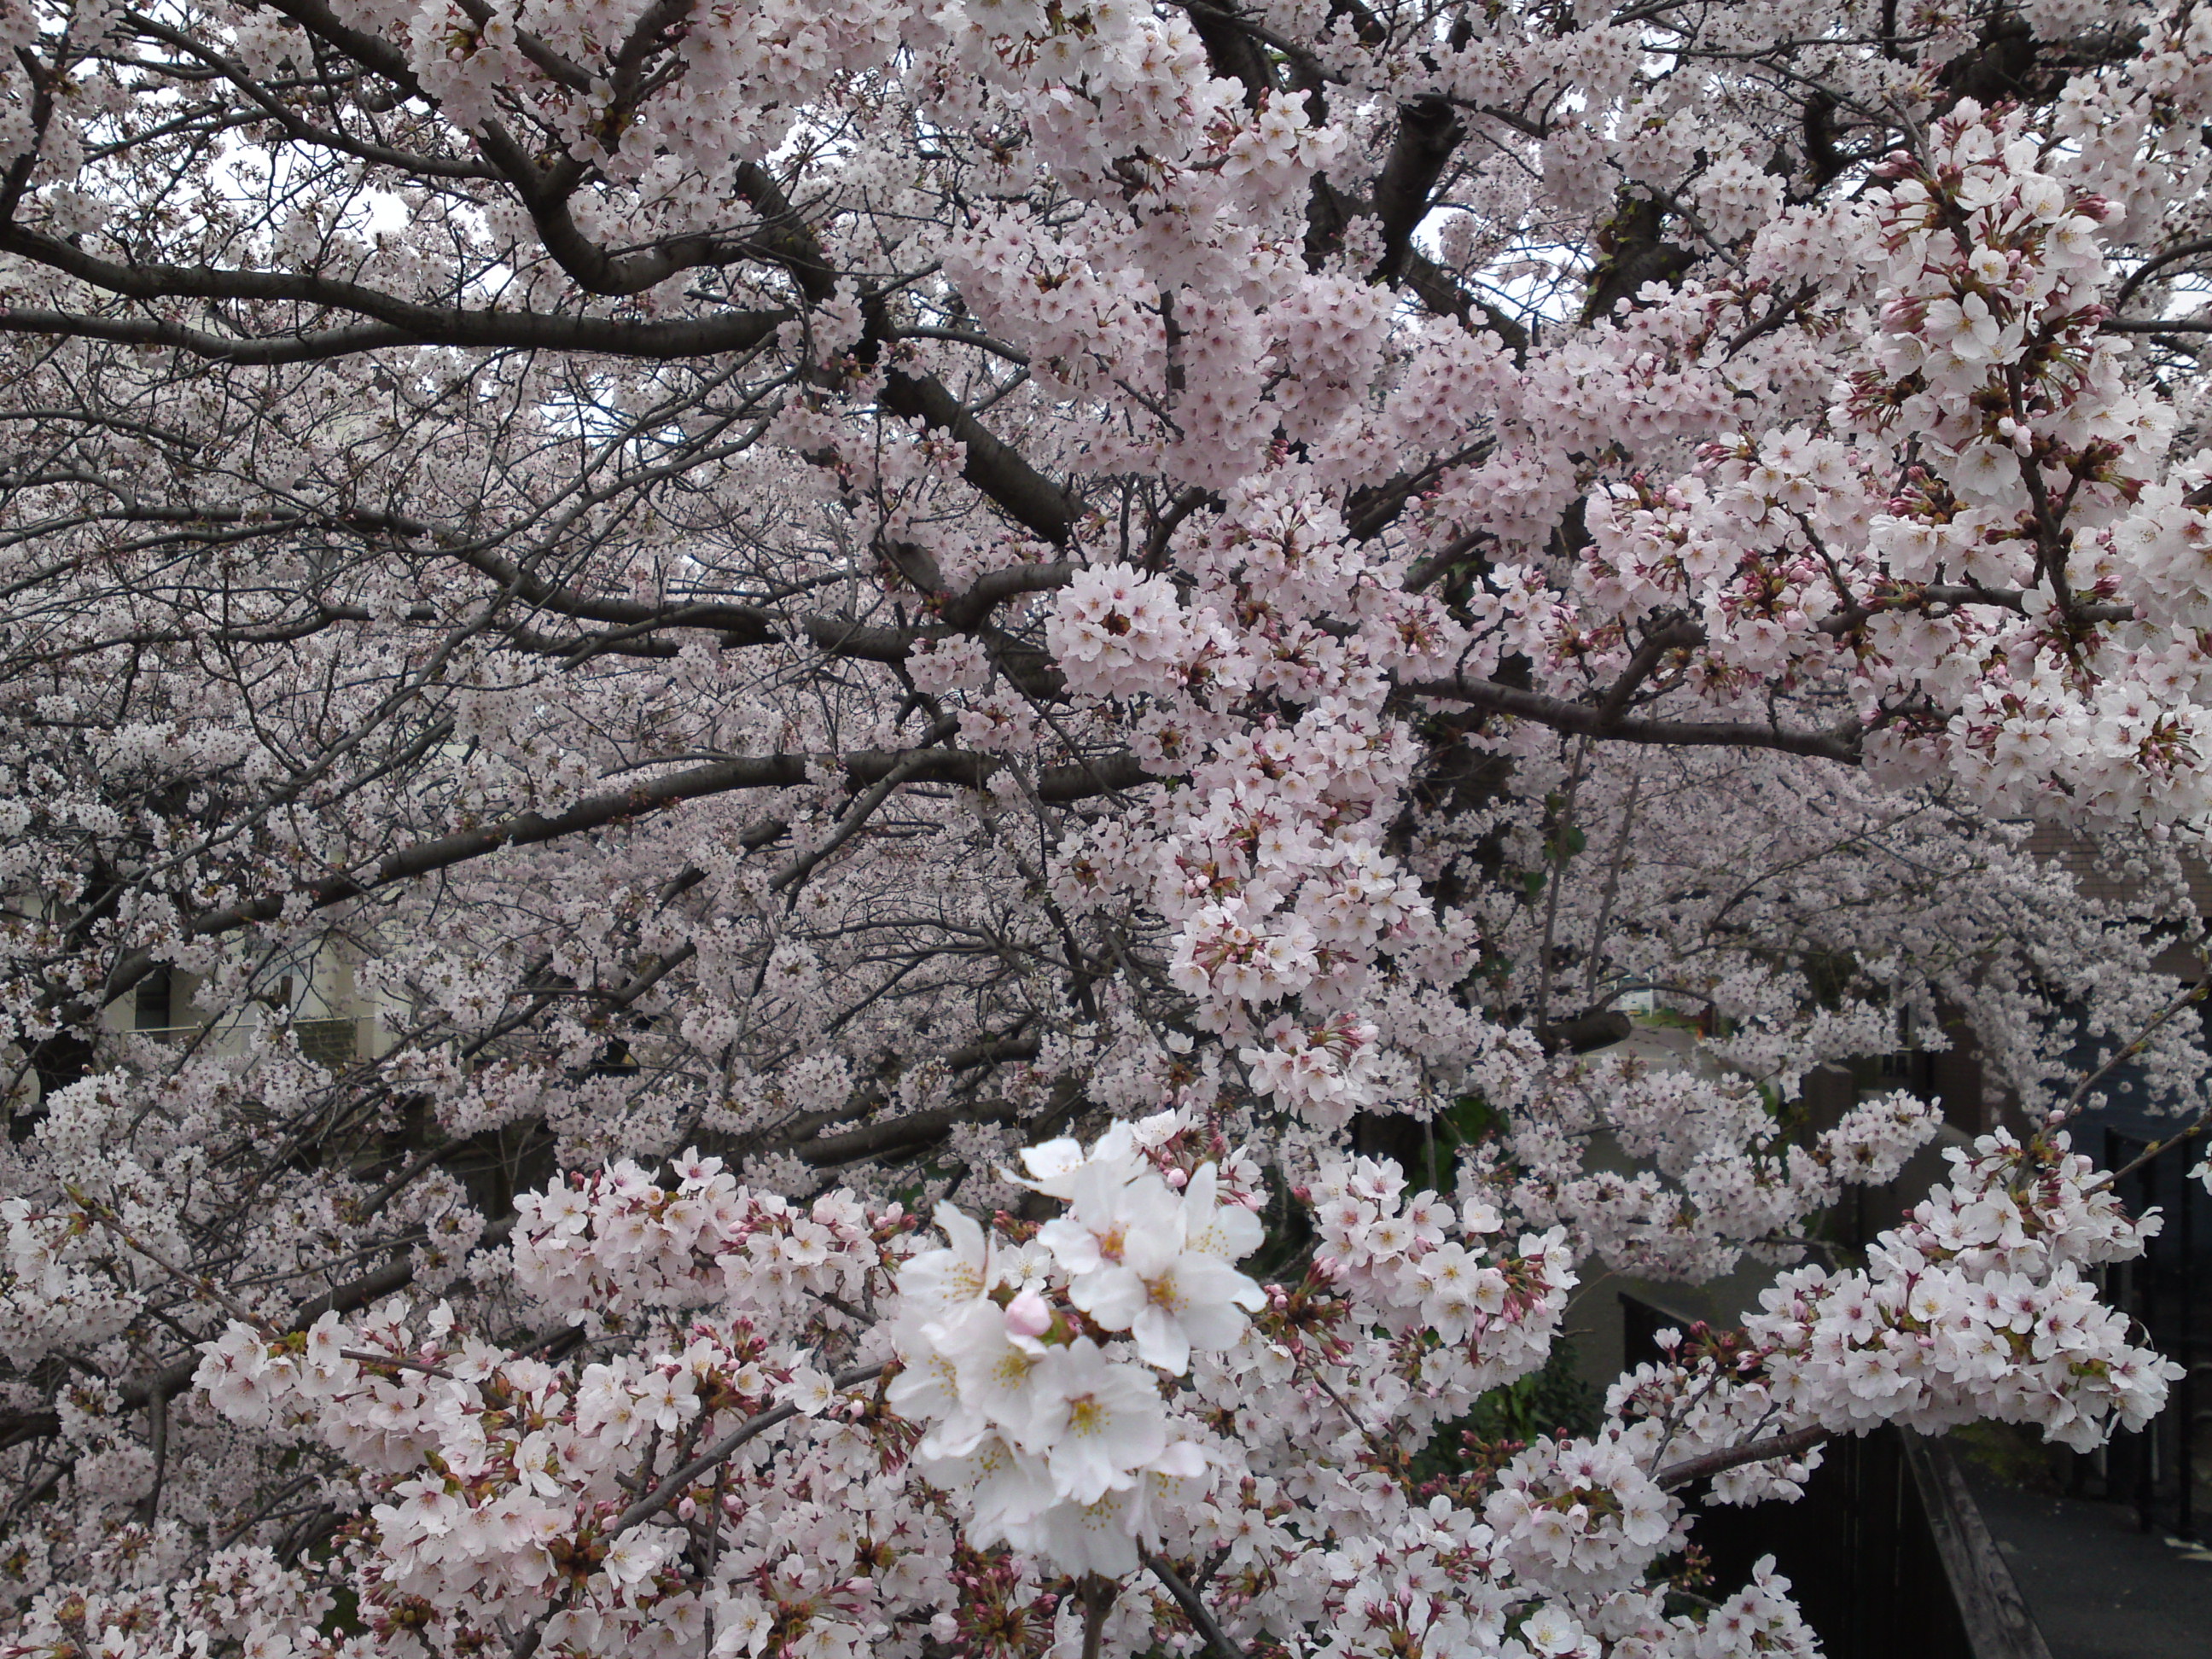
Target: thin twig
{"type": "Point", "coordinates": [1792, 1444]}
{"type": "Point", "coordinates": [2113, 1177]}
{"type": "Point", "coordinates": [370, 1356]}
{"type": "Point", "coordinates": [1612, 888]}
{"type": "Point", "coordinates": [157, 1436]}
{"type": "Point", "coordinates": [2134, 1046]}
{"type": "Point", "coordinates": [1193, 1609]}
{"type": "Point", "coordinates": [864, 807]}
{"type": "Point", "coordinates": [680, 1482]}
{"type": "Point", "coordinates": [107, 1221]}
{"type": "Point", "coordinates": [1559, 855]}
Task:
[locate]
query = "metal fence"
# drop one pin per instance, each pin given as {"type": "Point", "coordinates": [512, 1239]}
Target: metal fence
{"type": "Point", "coordinates": [2157, 1470]}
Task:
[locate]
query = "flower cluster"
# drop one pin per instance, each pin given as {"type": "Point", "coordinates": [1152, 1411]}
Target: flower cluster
{"type": "Point", "coordinates": [611, 1243]}
{"type": "Point", "coordinates": [1118, 633]}
{"type": "Point", "coordinates": [1583, 1518]}
{"type": "Point", "coordinates": [1435, 1269]}
{"type": "Point", "coordinates": [47, 1296]}
{"type": "Point", "coordinates": [1977, 1306]}
{"type": "Point", "coordinates": [1057, 1438]}
{"type": "Point", "coordinates": [501, 1479]}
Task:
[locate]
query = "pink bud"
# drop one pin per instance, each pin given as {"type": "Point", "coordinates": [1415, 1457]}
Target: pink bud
{"type": "Point", "coordinates": [1028, 1316]}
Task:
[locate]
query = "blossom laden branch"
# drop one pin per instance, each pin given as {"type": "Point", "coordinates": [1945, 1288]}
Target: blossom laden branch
{"type": "Point", "coordinates": [1793, 1444]}
{"type": "Point", "coordinates": [684, 1477]}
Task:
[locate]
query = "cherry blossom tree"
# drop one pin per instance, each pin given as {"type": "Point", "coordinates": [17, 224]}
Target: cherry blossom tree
{"type": "Point", "coordinates": [998, 699]}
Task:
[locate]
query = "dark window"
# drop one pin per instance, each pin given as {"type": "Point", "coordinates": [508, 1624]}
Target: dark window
{"type": "Point", "coordinates": [152, 1010]}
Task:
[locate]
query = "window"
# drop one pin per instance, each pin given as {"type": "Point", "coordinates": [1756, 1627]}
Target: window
{"type": "Point", "coordinates": [153, 1005]}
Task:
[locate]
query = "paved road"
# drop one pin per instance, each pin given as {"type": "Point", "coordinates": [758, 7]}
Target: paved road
{"type": "Point", "coordinates": [2098, 1589]}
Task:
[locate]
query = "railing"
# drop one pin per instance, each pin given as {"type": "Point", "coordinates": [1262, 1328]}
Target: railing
{"type": "Point", "coordinates": [1996, 1621]}
{"type": "Point", "coordinates": [332, 1044]}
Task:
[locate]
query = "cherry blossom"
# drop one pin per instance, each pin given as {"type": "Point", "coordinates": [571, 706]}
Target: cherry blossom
{"type": "Point", "coordinates": [886, 827]}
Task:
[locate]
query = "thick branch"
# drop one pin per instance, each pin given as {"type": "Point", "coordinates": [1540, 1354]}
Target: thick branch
{"type": "Point", "coordinates": [1840, 742]}
{"type": "Point", "coordinates": [898, 1134]}
{"type": "Point", "coordinates": [995, 468]}
{"type": "Point", "coordinates": [1056, 785]}
{"type": "Point", "coordinates": [701, 337]}
{"type": "Point", "coordinates": [1676, 636]}
{"type": "Point", "coordinates": [1428, 132]}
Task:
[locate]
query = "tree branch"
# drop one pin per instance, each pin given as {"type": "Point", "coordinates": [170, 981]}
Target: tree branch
{"type": "Point", "coordinates": [682, 1479]}
{"type": "Point", "coordinates": [1792, 1444]}
{"type": "Point", "coordinates": [1840, 742]}
{"type": "Point", "coordinates": [702, 336]}
{"type": "Point", "coordinates": [1056, 785]}
{"type": "Point", "coordinates": [1194, 1608]}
